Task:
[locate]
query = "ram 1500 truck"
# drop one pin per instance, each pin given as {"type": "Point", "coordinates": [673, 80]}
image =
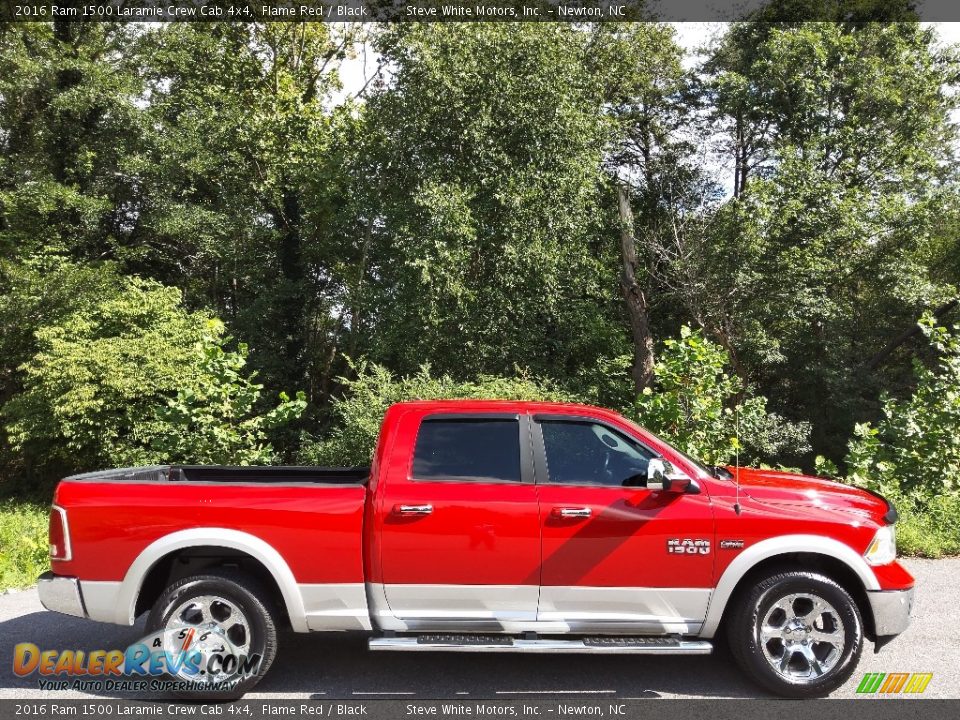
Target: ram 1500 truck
{"type": "Point", "coordinates": [493, 526]}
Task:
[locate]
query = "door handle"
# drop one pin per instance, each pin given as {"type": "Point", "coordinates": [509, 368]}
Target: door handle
{"type": "Point", "coordinates": [413, 509]}
{"type": "Point", "coordinates": [568, 512]}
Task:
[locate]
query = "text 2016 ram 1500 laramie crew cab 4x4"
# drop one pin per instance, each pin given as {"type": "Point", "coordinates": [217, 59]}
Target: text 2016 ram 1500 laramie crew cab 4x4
{"type": "Point", "coordinates": [493, 526]}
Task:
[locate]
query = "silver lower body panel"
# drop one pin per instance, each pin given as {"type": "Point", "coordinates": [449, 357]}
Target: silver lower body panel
{"type": "Point", "coordinates": [891, 610]}
{"type": "Point", "coordinates": [61, 594]}
{"type": "Point", "coordinates": [632, 646]}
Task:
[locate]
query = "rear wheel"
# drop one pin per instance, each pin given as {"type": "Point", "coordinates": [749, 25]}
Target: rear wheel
{"type": "Point", "coordinates": [798, 634]}
{"type": "Point", "coordinates": [224, 621]}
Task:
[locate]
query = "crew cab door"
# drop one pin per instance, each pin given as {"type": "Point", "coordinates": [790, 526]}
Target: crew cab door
{"type": "Point", "coordinates": [460, 529]}
{"type": "Point", "coordinates": [610, 562]}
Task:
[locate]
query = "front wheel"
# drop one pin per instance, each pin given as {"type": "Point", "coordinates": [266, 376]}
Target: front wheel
{"type": "Point", "coordinates": [797, 634]}
{"type": "Point", "coordinates": [219, 631]}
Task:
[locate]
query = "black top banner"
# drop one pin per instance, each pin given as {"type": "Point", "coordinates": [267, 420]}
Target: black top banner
{"type": "Point", "coordinates": [574, 11]}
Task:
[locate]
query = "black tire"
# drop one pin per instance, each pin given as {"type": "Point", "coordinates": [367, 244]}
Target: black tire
{"type": "Point", "coordinates": [245, 595]}
{"type": "Point", "coordinates": [770, 599]}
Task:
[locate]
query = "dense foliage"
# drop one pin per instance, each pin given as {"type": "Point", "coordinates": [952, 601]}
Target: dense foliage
{"type": "Point", "coordinates": [708, 413]}
{"type": "Point", "coordinates": [913, 450]}
{"type": "Point", "coordinates": [500, 202]}
{"type": "Point", "coordinates": [367, 396]}
{"type": "Point", "coordinates": [134, 379]}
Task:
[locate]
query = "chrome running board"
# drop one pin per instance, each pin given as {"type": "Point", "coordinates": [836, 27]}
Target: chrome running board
{"type": "Point", "coordinates": [505, 643]}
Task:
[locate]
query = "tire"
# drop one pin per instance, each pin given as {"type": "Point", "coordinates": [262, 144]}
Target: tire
{"type": "Point", "coordinates": [230, 608]}
{"type": "Point", "coordinates": [797, 634]}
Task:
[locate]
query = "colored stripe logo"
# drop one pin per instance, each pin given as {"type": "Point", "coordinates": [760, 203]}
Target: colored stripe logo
{"type": "Point", "coordinates": [894, 683]}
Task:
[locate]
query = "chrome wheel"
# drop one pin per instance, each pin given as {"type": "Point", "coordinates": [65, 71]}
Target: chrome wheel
{"type": "Point", "coordinates": [213, 625]}
{"type": "Point", "coordinates": [802, 637]}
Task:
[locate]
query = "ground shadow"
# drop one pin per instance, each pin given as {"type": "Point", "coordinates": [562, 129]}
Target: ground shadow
{"type": "Point", "coordinates": [339, 666]}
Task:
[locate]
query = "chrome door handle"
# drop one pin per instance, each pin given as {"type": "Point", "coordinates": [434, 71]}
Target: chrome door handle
{"type": "Point", "coordinates": [413, 509]}
{"type": "Point", "coordinates": [572, 512]}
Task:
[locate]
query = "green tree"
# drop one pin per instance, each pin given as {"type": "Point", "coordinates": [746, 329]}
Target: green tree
{"type": "Point", "coordinates": [359, 412]}
{"type": "Point", "coordinates": [215, 419]}
{"type": "Point", "coordinates": [69, 126]}
{"type": "Point", "coordinates": [483, 181]}
{"type": "Point", "coordinates": [822, 255]}
{"type": "Point", "coordinates": [914, 449]}
{"type": "Point", "coordinates": [243, 174]}
{"type": "Point", "coordinates": [699, 407]}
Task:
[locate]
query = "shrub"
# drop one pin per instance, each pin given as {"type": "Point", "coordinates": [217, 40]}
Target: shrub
{"type": "Point", "coordinates": [91, 390]}
{"type": "Point", "coordinates": [359, 412]}
{"type": "Point", "coordinates": [213, 420]}
{"type": "Point", "coordinates": [696, 406]}
{"type": "Point", "coordinates": [913, 451]}
{"type": "Point", "coordinates": [136, 379]}
{"type": "Point", "coordinates": [23, 543]}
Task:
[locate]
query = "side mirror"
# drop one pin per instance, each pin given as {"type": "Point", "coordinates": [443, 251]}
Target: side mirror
{"type": "Point", "coordinates": [662, 475]}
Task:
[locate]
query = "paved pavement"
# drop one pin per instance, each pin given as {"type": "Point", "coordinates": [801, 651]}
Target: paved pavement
{"type": "Point", "coordinates": [340, 667]}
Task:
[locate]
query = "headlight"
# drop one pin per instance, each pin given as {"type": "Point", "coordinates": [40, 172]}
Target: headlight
{"type": "Point", "coordinates": [883, 547]}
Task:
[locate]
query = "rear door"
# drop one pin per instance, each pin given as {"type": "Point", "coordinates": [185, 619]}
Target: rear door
{"type": "Point", "coordinates": [610, 562]}
{"type": "Point", "coordinates": [460, 533]}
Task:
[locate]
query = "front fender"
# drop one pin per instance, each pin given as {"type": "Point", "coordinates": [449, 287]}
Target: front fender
{"type": "Point", "coordinates": [782, 545]}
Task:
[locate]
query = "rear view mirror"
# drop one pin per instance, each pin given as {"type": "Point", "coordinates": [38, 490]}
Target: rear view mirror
{"type": "Point", "coordinates": [656, 474]}
{"type": "Point", "coordinates": [662, 475]}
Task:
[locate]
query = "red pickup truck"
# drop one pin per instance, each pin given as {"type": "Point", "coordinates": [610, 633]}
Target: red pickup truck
{"type": "Point", "coordinates": [492, 526]}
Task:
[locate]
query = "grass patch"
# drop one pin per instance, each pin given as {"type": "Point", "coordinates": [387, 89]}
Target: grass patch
{"type": "Point", "coordinates": [23, 543]}
{"type": "Point", "coordinates": [932, 531]}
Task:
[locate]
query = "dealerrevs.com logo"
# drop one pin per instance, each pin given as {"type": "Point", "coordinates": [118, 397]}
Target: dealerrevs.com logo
{"type": "Point", "coordinates": [894, 683]}
{"type": "Point", "coordinates": [178, 660]}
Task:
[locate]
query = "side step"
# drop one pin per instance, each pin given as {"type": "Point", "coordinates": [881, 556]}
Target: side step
{"type": "Point", "coordinates": [506, 643]}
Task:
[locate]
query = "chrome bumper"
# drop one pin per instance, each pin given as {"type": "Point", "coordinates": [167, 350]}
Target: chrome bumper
{"type": "Point", "coordinates": [61, 594]}
{"type": "Point", "coordinates": [891, 610]}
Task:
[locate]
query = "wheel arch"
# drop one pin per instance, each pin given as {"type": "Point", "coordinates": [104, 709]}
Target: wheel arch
{"type": "Point", "coordinates": [831, 557]}
{"type": "Point", "coordinates": [153, 564]}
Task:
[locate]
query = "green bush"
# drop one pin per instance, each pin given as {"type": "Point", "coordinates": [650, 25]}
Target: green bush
{"type": "Point", "coordinates": [136, 379]}
{"type": "Point", "coordinates": [213, 421]}
{"type": "Point", "coordinates": [91, 391]}
{"type": "Point", "coordinates": [697, 406]}
{"type": "Point", "coordinates": [23, 543]}
{"type": "Point", "coordinates": [929, 529]}
{"type": "Point", "coordinates": [359, 412]}
{"type": "Point", "coordinates": [913, 451]}
{"type": "Point", "coordinates": [912, 454]}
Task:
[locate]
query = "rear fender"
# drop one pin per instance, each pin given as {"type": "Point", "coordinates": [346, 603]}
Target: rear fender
{"type": "Point", "coordinates": [121, 606]}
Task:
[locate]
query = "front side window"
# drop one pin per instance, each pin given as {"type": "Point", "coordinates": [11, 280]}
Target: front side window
{"type": "Point", "coordinates": [474, 450]}
{"type": "Point", "coordinates": [585, 453]}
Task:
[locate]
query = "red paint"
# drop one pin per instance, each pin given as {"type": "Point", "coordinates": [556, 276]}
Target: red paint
{"type": "Point", "coordinates": [317, 530]}
{"type": "Point", "coordinates": [498, 534]}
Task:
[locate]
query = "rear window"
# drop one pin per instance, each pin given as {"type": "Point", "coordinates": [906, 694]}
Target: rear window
{"type": "Point", "coordinates": [474, 450]}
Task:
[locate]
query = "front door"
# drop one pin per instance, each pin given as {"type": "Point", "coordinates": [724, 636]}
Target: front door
{"type": "Point", "coordinates": [461, 532]}
{"type": "Point", "coordinates": [610, 557]}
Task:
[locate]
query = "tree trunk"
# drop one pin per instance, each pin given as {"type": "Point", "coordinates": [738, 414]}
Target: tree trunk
{"type": "Point", "coordinates": [633, 296]}
{"type": "Point", "coordinates": [878, 359]}
{"type": "Point", "coordinates": [291, 301]}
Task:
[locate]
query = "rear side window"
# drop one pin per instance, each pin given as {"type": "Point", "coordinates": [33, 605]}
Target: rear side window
{"type": "Point", "coordinates": [474, 450]}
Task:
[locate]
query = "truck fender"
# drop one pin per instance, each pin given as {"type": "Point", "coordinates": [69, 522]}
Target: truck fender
{"type": "Point", "coordinates": [771, 547]}
{"type": "Point", "coordinates": [217, 537]}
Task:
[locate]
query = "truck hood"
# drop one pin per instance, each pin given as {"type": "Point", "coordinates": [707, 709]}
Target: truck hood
{"type": "Point", "coordinates": [790, 489]}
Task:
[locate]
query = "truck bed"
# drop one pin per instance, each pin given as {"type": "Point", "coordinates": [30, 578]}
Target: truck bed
{"type": "Point", "coordinates": [312, 516]}
{"type": "Point", "coordinates": [285, 474]}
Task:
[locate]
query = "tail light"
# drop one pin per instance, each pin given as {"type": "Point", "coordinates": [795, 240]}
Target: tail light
{"type": "Point", "coordinates": [59, 534]}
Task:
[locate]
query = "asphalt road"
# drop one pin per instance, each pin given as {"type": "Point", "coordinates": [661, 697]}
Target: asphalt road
{"type": "Point", "coordinates": [340, 667]}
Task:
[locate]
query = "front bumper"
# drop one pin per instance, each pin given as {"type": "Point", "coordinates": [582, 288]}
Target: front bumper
{"type": "Point", "coordinates": [61, 594]}
{"type": "Point", "coordinates": [891, 611]}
